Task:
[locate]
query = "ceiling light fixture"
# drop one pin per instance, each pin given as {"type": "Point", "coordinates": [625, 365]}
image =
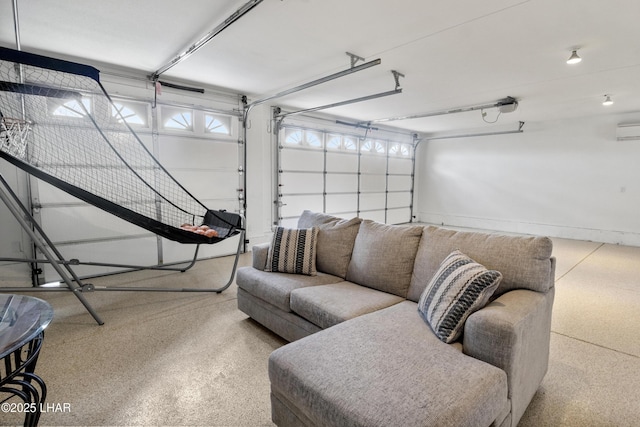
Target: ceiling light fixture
{"type": "Point", "coordinates": [574, 58]}
{"type": "Point", "coordinates": [607, 101]}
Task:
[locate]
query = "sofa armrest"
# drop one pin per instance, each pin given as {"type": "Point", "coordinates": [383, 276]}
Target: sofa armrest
{"type": "Point", "coordinates": [513, 333]}
{"type": "Point", "coordinates": [260, 253]}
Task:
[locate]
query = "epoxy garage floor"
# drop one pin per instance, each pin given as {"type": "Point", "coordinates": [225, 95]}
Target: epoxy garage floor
{"type": "Point", "coordinates": [195, 359]}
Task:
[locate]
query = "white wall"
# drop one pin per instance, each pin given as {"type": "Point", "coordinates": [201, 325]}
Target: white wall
{"type": "Point", "coordinates": [568, 178]}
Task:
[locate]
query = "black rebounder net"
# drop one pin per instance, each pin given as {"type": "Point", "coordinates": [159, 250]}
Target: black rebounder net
{"type": "Point", "coordinates": [58, 123]}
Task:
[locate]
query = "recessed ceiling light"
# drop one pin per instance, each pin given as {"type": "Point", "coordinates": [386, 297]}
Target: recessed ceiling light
{"type": "Point", "coordinates": [607, 101]}
{"type": "Point", "coordinates": [574, 58]}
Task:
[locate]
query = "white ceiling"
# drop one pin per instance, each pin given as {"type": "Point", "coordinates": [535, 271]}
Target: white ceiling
{"type": "Point", "coordinates": [453, 53]}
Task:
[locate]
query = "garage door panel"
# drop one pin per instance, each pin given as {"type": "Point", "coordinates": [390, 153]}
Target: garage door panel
{"type": "Point", "coordinates": [216, 184]}
{"type": "Point", "coordinates": [373, 183]}
{"type": "Point", "coordinates": [176, 153]}
{"type": "Point", "coordinates": [306, 160]}
{"type": "Point", "coordinates": [373, 164]}
{"type": "Point", "coordinates": [372, 201]}
{"type": "Point", "coordinates": [399, 183]}
{"type": "Point", "coordinates": [70, 223]}
{"type": "Point", "coordinates": [342, 162]}
{"type": "Point", "coordinates": [377, 216]}
{"type": "Point", "coordinates": [342, 183]}
{"type": "Point", "coordinates": [402, 166]}
{"type": "Point", "coordinates": [49, 194]}
{"type": "Point", "coordinates": [146, 139]}
{"type": "Point", "coordinates": [398, 216]}
{"type": "Point", "coordinates": [398, 200]}
{"type": "Point", "coordinates": [289, 222]}
{"type": "Point", "coordinates": [124, 138]}
{"type": "Point", "coordinates": [342, 214]}
{"type": "Point", "coordinates": [294, 182]}
{"type": "Point", "coordinates": [294, 205]}
{"type": "Point", "coordinates": [342, 203]}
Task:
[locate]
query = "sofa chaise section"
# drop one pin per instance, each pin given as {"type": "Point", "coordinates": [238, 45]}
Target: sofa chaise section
{"type": "Point", "coordinates": [383, 369]}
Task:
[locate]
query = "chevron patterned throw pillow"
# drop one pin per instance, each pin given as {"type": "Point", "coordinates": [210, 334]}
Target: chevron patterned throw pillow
{"type": "Point", "coordinates": [459, 287]}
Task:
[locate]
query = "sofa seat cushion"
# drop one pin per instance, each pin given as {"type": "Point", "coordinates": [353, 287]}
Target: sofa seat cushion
{"type": "Point", "coordinates": [288, 325]}
{"type": "Point", "coordinates": [386, 368]}
{"type": "Point", "coordinates": [328, 305]}
{"type": "Point", "coordinates": [275, 288]}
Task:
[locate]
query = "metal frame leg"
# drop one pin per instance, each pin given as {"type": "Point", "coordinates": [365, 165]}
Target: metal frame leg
{"type": "Point", "coordinates": [22, 215]}
{"type": "Point", "coordinates": [216, 290]}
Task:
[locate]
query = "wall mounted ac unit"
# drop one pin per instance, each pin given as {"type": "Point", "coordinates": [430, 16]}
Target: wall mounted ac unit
{"type": "Point", "coordinates": [628, 132]}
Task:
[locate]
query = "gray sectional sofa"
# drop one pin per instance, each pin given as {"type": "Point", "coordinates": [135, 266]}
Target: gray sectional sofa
{"type": "Point", "coordinates": [360, 354]}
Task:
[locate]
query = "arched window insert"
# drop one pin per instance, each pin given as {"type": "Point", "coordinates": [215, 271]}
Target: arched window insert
{"type": "Point", "coordinates": [73, 108]}
{"type": "Point", "coordinates": [133, 113]}
{"type": "Point", "coordinates": [181, 121]}
{"type": "Point", "coordinates": [373, 146]}
{"type": "Point", "coordinates": [217, 124]}
{"type": "Point", "coordinates": [350, 144]}
{"type": "Point", "coordinates": [293, 137]}
{"type": "Point", "coordinates": [400, 150]}
{"type": "Point", "coordinates": [304, 138]}
{"type": "Point", "coordinates": [341, 142]}
{"type": "Point", "coordinates": [175, 118]}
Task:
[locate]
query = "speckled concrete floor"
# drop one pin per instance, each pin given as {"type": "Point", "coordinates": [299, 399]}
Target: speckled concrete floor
{"type": "Point", "coordinates": [195, 359]}
{"type": "Point", "coordinates": [594, 370]}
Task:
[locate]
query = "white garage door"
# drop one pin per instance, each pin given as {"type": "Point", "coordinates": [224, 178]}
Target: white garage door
{"type": "Point", "coordinates": [199, 146]}
{"type": "Point", "coordinates": [344, 174]}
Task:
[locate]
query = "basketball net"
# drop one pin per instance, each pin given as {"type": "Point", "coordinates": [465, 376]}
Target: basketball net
{"type": "Point", "coordinates": [13, 136]}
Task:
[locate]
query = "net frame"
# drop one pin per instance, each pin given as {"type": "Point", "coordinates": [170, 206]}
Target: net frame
{"type": "Point", "coordinates": [92, 153]}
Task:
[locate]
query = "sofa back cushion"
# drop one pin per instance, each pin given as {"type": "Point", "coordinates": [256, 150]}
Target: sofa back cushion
{"type": "Point", "coordinates": [524, 261]}
{"type": "Point", "coordinates": [336, 237]}
{"type": "Point", "coordinates": [383, 256]}
{"type": "Point", "coordinates": [310, 219]}
{"type": "Point", "coordinates": [335, 245]}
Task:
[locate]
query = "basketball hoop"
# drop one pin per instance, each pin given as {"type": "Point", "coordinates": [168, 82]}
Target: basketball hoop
{"type": "Point", "coordinates": [13, 136]}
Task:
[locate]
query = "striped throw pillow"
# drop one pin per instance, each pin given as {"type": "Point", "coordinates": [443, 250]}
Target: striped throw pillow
{"type": "Point", "coordinates": [293, 251]}
{"type": "Point", "coordinates": [459, 287]}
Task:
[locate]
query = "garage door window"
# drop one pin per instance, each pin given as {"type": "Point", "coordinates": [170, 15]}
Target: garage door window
{"type": "Point", "coordinates": [344, 175]}
{"type": "Point", "coordinates": [217, 124]}
{"type": "Point", "coordinates": [73, 108]}
{"type": "Point", "coordinates": [130, 112]}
